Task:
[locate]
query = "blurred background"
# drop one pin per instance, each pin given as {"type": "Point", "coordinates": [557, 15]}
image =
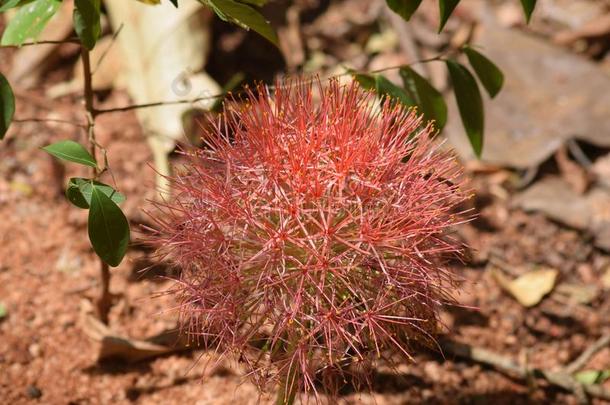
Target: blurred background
{"type": "Point", "coordinates": [536, 278]}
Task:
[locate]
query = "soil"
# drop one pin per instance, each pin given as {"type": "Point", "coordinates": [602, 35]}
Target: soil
{"type": "Point", "coordinates": [48, 275]}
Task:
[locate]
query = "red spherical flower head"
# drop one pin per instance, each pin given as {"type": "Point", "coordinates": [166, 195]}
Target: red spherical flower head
{"type": "Point", "coordinates": [312, 234]}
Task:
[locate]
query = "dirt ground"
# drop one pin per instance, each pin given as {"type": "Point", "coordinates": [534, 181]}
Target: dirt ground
{"type": "Point", "coordinates": [48, 275]}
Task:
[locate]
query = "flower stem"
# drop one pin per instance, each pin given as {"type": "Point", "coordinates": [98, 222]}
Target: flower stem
{"type": "Point", "coordinates": [289, 385]}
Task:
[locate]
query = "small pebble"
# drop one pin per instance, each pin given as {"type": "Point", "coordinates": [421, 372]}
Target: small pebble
{"type": "Point", "coordinates": [34, 350]}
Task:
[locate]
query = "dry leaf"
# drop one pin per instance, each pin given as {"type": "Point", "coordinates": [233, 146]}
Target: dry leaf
{"type": "Point", "coordinates": [554, 197]}
{"type": "Point", "coordinates": [531, 287]}
{"type": "Point", "coordinates": [114, 346]}
{"type": "Point", "coordinates": [165, 51]}
{"type": "Point", "coordinates": [539, 121]}
{"type": "Point", "coordinates": [596, 28]}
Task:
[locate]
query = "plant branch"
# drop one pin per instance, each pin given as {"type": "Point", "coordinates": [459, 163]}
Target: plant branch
{"type": "Point", "coordinates": [405, 37]}
{"type": "Point", "coordinates": [157, 104]}
{"type": "Point", "coordinates": [216, 96]}
{"type": "Point", "coordinates": [582, 360]}
{"type": "Point", "coordinates": [288, 386]}
{"type": "Point", "coordinates": [104, 301]}
{"type": "Point", "coordinates": [562, 379]}
{"type": "Point", "coordinates": [74, 41]}
{"type": "Point", "coordinates": [50, 120]}
{"type": "Point", "coordinates": [108, 48]}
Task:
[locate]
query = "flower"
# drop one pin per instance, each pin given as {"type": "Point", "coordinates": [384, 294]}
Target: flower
{"type": "Point", "coordinates": [313, 235]}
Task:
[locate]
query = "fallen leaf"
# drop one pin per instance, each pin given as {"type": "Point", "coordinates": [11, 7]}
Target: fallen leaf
{"type": "Point", "coordinates": [178, 41]}
{"type": "Point", "coordinates": [555, 198]}
{"type": "Point", "coordinates": [115, 346]}
{"type": "Point", "coordinates": [564, 106]}
{"type": "Point", "coordinates": [529, 288]}
{"type": "Point", "coordinates": [598, 27]}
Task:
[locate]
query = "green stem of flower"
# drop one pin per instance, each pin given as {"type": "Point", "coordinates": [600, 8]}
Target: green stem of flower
{"type": "Point", "coordinates": [289, 386]}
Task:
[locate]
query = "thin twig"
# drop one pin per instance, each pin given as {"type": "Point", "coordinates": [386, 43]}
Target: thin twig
{"type": "Point", "coordinates": [582, 360]}
{"type": "Point", "coordinates": [578, 153]}
{"type": "Point", "coordinates": [405, 37]}
{"type": "Point", "coordinates": [107, 50]}
{"type": "Point", "coordinates": [106, 167]}
{"type": "Point", "coordinates": [223, 94]}
{"type": "Point", "coordinates": [156, 104]}
{"type": "Point", "coordinates": [74, 41]}
{"type": "Point", "coordinates": [562, 379]}
{"type": "Point", "coordinates": [52, 120]}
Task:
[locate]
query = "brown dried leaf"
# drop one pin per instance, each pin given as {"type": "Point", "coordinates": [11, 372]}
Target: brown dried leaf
{"type": "Point", "coordinates": [114, 346]}
{"type": "Point", "coordinates": [530, 288]}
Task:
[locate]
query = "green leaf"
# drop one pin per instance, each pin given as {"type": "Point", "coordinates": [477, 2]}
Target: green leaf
{"type": "Point", "coordinates": [365, 80]}
{"type": "Point", "coordinates": [8, 4]}
{"type": "Point", "coordinates": [257, 3]}
{"type": "Point", "coordinates": [3, 311]}
{"type": "Point", "coordinates": [404, 8]}
{"type": "Point", "coordinates": [7, 106]}
{"type": "Point", "coordinates": [245, 16]}
{"type": "Point", "coordinates": [174, 2]}
{"type": "Point", "coordinates": [430, 101]}
{"type": "Point", "coordinates": [489, 74]}
{"type": "Point", "coordinates": [71, 151]}
{"type": "Point", "coordinates": [108, 228]}
{"type": "Point", "coordinates": [79, 192]}
{"type": "Point", "coordinates": [469, 103]}
{"type": "Point", "coordinates": [87, 21]}
{"type": "Point", "coordinates": [29, 21]}
{"type": "Point", "coordinates": [446, 7]}
{"type": "Point", "coordinates": [591, 377]}
{"type": "Point", "coordinates": [384, 88]}
{"type": "Point", "coordinates": [528, 8]}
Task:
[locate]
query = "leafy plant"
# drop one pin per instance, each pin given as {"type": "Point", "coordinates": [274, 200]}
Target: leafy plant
{"type": "Point", "coordinates": [406, 8]}
{"type": "Point", "coordinates": [418, 92]}
{"type": "Point", "coordinates": [108, 227]}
